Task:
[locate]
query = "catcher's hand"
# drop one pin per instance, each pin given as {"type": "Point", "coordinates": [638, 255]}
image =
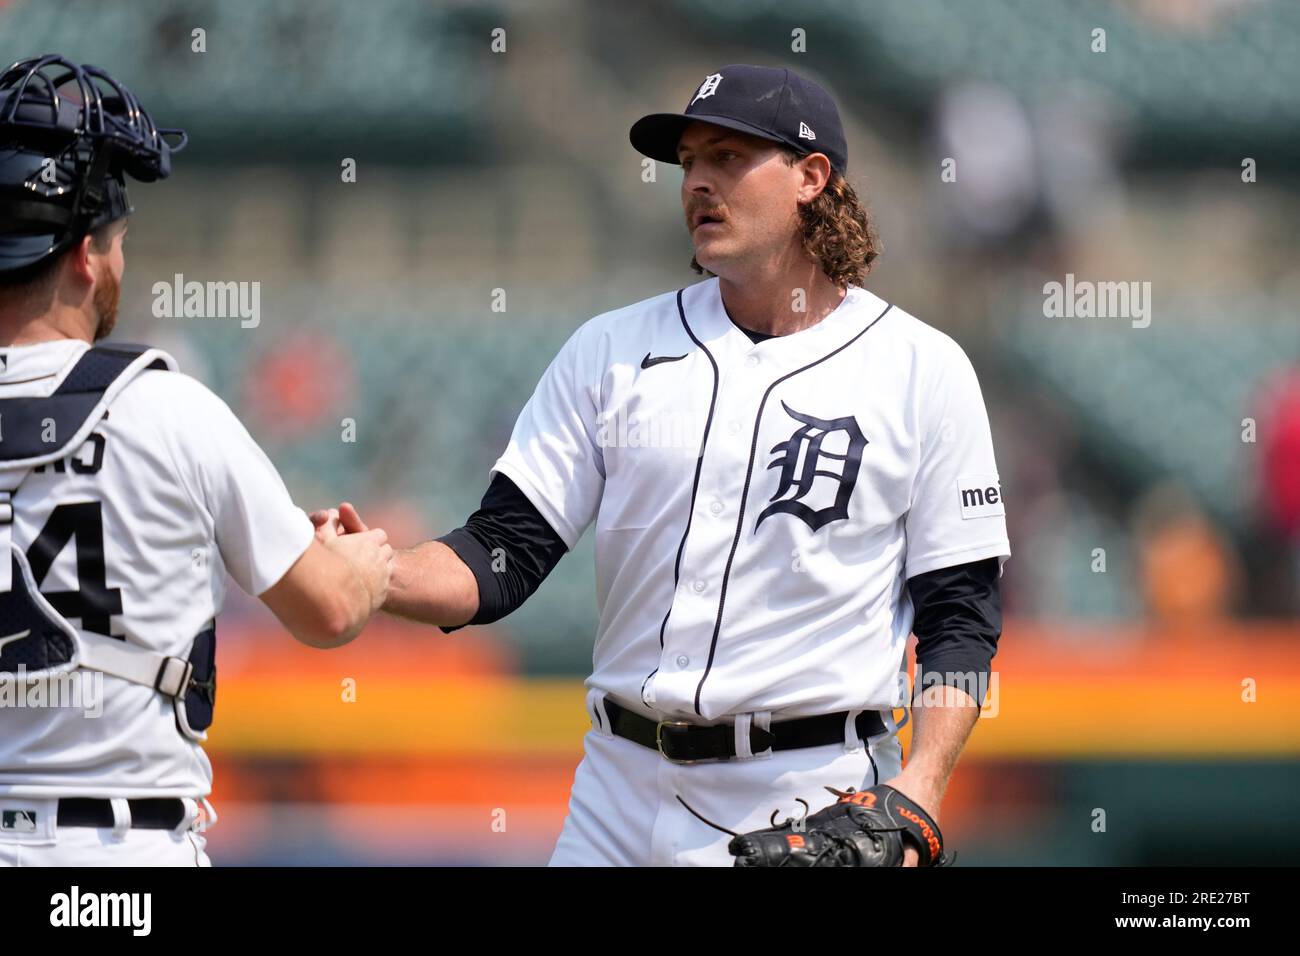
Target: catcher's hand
{"type": "Point", "coordinates": [863, 828]}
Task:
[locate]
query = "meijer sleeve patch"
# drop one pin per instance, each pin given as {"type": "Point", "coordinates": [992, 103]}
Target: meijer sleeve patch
{"type": "Point", "coordinates": [980, 496]}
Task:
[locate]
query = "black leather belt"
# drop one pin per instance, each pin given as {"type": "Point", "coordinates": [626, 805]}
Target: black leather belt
{"type": "Point", "coordinates": [151, 813]}
{"type": "Point", "coordinates": [684, 742]}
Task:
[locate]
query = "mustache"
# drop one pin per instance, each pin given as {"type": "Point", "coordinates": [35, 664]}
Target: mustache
{"type": "Point", "coordinates": [707, 209]}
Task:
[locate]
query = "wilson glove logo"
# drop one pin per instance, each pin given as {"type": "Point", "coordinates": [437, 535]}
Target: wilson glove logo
{"type": "Point", "coordinates": [927, 831]}
{"type": "Point", "coordinates": [863, 798]}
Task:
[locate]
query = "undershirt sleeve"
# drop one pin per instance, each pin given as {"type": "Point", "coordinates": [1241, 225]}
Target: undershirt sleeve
{"type": "Point", "coordinates": [958, 620]}
{"type": "Point", "coordinates": [509, 547]}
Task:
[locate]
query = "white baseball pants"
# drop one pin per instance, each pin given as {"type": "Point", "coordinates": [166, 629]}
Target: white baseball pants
{"type": "Point", "coordinates": [624, 808]}
{"type": "Point", "coordinates": [31, 838]}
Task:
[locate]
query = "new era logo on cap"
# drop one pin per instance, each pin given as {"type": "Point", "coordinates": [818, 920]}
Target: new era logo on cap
{"type": "Point", "coordinates": [770, 102]}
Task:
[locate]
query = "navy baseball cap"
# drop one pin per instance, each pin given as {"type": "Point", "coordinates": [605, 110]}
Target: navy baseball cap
{"type": "Point", "coordinates": [771, 102]}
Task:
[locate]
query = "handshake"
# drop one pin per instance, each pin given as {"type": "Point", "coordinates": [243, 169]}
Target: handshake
{"type": "Point", "coordinates": [350, 571]}
{"type": "Point", "coordinates": [358, 562]}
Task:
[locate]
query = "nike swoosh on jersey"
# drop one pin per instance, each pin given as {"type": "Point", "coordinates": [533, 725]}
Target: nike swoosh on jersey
{"type": "Point", "coordinates": [10, 638]}
{"type": "Point", "coordinates": [648, 361]}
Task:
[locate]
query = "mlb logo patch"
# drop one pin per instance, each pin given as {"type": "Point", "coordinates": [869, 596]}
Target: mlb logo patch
{"type": "Point", "coordinates": [980, 496]}
{"type": "Point", "coordinates": [18, 821]}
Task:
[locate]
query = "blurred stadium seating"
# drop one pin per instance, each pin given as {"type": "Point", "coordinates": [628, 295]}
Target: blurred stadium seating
{"type": "Point", "coordinates": [1202, 76]}
{"type": "Point", "coordinates": [483, 175]}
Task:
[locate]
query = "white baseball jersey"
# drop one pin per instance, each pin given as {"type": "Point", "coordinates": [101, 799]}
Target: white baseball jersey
{"type": "Point", "coordinates": [167, 495]}
{"type": "Point", "coordinates": [759, 507]}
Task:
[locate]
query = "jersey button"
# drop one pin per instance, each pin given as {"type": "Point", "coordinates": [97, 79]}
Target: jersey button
{"type": "Point", "coordinates": [699, 585]}
{"type": "Point", "coordinates": [716, 507]}
{"type": "Point", "coordinates": [733, 426]}
{"type": "Point", "coordinates": [683, 661]}
{"type": "Point", "coordinates": [751, 360]}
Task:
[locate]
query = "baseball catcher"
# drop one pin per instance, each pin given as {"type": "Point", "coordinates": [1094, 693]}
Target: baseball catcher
{"type": "Point", "coordinates": [117, 531]}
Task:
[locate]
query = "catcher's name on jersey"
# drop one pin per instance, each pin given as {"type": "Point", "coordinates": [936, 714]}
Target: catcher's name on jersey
{"type": "Point", "coordinates": [130, 537]}
{"type": "Point", "coordinates": [764, 570]}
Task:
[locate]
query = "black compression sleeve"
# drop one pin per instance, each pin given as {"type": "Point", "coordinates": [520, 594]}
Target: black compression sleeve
{"type": "Point", "coordinates": [508, 546]}
{"type": "Point", "coordinates": [957, 625]}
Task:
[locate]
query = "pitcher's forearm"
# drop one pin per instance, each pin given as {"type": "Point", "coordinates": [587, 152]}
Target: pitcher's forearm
{"type": "Point", "coordinates": [942, 722]}
{"type": "Point", "coordinates": [432, 585]}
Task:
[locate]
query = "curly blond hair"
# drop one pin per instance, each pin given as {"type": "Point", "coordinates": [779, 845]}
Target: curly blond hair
{"type": "Point", "coordinates": [837, 230]}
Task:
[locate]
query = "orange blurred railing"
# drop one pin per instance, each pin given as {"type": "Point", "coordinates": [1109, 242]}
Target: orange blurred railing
{"type": "Point", "coordinates": [1058, 691]}
{"type": "Point", "coordinates": [411, 733]}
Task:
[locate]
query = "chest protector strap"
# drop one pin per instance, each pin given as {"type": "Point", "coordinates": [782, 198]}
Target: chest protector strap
{"type": "Point", "coordinates": [35, 639]}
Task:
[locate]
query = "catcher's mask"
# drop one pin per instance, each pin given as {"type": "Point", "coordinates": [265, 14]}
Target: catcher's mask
{"type": "Point", "coordinates": [69, 137]}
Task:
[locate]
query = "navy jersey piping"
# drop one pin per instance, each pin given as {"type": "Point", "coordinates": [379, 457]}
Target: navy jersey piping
{"type": "Point", "coordinates": [695, 484]}
{"type": "Point", "coordinates": [744, 496]}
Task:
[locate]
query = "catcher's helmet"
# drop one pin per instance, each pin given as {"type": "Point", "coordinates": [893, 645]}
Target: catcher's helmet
{"type": "Point", "coordinates": [69, 135]}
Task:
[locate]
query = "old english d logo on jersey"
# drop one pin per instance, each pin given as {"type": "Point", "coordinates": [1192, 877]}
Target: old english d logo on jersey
{"type": "Point", "coordinates": [803, 460]}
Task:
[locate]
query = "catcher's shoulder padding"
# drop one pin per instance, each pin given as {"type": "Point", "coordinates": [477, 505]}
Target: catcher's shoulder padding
{"type": "Point", "coordinates": [863, 828]}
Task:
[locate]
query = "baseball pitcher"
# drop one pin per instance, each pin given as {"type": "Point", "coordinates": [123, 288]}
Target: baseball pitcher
{"type": "Point", "coordinates": [127, 492]}
{"type": "Point", "coordinates": [787, 476]}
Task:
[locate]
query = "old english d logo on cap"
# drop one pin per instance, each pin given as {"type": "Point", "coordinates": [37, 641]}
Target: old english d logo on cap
{"type": "Point", "coordinates": [772, 103]}
{"type": "Point", "coordinates": [707, 88]}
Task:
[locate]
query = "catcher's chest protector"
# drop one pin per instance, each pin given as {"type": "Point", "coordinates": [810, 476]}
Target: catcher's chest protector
{"type": "Point", "coordinates": [36, 641]}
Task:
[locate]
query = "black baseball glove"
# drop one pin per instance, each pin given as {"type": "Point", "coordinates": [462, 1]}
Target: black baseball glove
{"type": "Point", "coordinates": [863, 828]}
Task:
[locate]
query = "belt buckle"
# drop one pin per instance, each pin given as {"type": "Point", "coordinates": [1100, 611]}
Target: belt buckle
{"type": "Point", "coordinates": [659, 742]}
